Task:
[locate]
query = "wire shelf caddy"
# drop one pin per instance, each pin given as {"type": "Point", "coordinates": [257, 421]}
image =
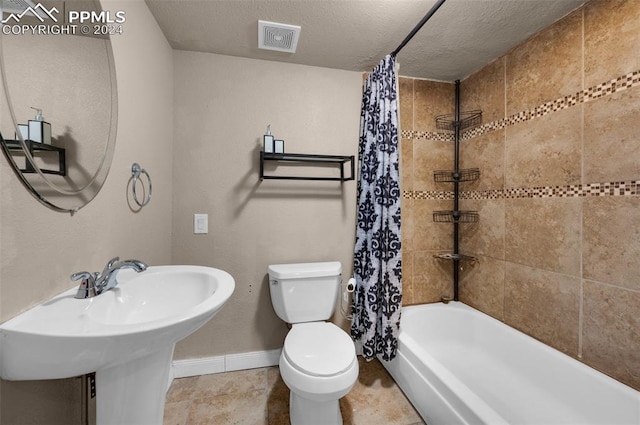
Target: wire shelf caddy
{"type": "Point", "coordinates": [455, 216]}
{"type": "Point", "coordinates": [468, 119]}
{"type": "Point", "coordinates": [452, 176]}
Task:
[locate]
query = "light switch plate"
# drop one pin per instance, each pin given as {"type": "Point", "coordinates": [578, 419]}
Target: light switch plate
{"type": "Point", "coordinates": [200, 223]}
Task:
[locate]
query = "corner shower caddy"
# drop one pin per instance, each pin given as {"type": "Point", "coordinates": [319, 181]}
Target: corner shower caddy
{"type": "Point", "coordinates": [456, 122]}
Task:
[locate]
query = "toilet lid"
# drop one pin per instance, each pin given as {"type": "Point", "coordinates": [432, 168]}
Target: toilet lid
{"type": "Point", "coordinates": [319, 348]}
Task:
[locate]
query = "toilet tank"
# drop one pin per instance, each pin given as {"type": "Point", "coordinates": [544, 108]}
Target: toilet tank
{"type": "Point", "coordinates": [304, 292]}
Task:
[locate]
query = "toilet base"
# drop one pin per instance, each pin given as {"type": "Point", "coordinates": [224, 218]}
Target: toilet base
{"type": "Point", "coordinates": [303, 411]}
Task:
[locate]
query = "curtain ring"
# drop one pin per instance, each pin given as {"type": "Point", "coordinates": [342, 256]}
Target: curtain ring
{"type": "Point", "coordinates": [136, 170]}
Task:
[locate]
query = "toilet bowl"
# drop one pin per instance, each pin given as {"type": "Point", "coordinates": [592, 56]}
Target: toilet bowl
{"type": "Point", "coordinates": [318, 361]}
{"type": "Point", "coordinates": [319, 365]}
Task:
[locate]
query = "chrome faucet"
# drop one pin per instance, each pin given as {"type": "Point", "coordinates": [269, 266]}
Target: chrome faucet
{"type": "Point", "coordinates": [93, 284]}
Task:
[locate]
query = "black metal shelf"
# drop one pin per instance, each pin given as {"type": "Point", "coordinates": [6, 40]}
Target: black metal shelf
{"type": "Point", "coordinates": [338, 160]}
{"type": "Point", "coordinates": [452, 176]}
{"type": "Point", "coordinates": [35, 147]}
{"type": "Point", "coordinates": [455, 216]}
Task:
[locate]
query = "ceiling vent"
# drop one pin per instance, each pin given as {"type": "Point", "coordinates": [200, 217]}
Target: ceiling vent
{"type": "Point", "coordinates": [279, 37]}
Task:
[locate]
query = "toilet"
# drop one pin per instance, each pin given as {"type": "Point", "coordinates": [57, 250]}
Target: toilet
{"type": "Point", "coordinates": [318, 361]}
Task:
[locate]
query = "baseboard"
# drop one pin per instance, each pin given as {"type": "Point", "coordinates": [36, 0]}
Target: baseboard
{"type": "Point", "coordinates": [226, 363]}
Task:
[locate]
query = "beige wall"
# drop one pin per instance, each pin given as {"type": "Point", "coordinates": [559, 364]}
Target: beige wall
{"type": "Point", "coordinates": [222, 108]}
{"type": "Point", "coordinates": [558, 237]}
{"type": "Point", "coordinates": [39, 248]}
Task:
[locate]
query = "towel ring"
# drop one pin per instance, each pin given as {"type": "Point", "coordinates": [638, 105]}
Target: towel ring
{"type": "Point", "coordinates": [136, 170]}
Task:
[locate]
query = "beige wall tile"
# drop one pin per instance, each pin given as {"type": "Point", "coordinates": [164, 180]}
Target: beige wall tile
{"type": "Point", "coordinates": [544, 233]}
{"type": "Point", "coordinates": [611, 245]}
{"type": "Point", "coordinates": [429, 156]}
{"type": "Point", "coordinates": [427, 234]}
{"type": "Point", "coordinates": [611, 39]}
{"type": "Point", "coordinates": [485, 90]}
{"type": "Point", "coordinates": [431, 98]}
{"type": "Point", "coordinates": [545, 67]}
{"type": "Point", "coordinates": [543, 304]}
{"type": "Point", "coordinates": [406, 163]}
{"type": "Point", "coordinates": [611, 341]}
{"type": "Point", "coordinates": [485, 152]}
{"type": "Point", "coordinates": [432, 277]}
{"type": "Point", "coordinates": [482, 285]}
{"type": "Point", "coordinates": [611, 141]}
{"type": "Point", "coordinates": [405, 89]}
{"type": "Point", "coordinates": [545, 151]}
{"type": "Point", "coordinates": [486, 237]}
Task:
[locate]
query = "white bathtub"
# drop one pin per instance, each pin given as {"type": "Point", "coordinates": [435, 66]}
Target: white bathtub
{"type": "Point", "coordinates": [460, 366]}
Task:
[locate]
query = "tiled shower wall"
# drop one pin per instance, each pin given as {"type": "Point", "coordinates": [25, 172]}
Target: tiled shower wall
{"type": "Point", "coordinates": [558, 240]}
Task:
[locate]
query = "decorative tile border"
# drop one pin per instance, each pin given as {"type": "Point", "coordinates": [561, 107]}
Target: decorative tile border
{"type": "Point", "coordinates": [427, 135]}
{"type": "Point", "coordinates": [607, 88]}
{"type": "Point", "coordinates": [629, 188]}
{"type": "Point", "coordinates": [427, 194]}
{"type": "Point", "coordinates": [598, 91]}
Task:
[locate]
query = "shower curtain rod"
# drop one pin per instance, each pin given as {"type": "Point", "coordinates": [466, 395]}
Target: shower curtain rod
{"type": "Point", "coordinates": [418, 27]}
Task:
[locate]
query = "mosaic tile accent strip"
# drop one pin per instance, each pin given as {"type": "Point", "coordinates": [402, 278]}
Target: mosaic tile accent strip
{"type": "Point", "coordinates": [630, 188]}
{"type": "Point", "coordinates": [607, 88]}
{"type": "Point", "coordinates": [482, 194]}
{"type": "Point", "coordinates": [426, 135]}
{"type": "Point", "coordinates": [427, 194]}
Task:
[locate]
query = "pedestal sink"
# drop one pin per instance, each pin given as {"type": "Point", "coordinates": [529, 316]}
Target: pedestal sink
{"type": "Point", "coordinates": [126, 335]}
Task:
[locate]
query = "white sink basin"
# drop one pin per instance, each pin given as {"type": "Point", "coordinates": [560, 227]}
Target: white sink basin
{"type": "Point", "coordinates": [122, 334]}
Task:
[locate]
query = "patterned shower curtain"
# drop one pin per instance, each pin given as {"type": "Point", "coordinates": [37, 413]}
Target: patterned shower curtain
{"type": "Point", "coordinates": [377, 257]}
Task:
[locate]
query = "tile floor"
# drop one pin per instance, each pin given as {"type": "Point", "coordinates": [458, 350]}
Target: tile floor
{"type": "Point", "coordinates": [259, 397]}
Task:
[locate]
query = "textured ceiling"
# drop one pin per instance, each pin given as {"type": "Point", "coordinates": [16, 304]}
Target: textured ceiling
{"type": "Point", "coordinates": [355, 35]}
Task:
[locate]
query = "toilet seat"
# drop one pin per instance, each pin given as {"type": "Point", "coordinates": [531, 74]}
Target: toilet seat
{"type": "Point", "coordinates": [319, 349]}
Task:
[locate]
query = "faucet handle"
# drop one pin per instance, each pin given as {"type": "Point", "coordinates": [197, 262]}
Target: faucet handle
{"type": "Point", "coordinates": [81, 275]}
{"type": "Point", "coordinates": [87, 288]}
{"type": "Point", "coordinates": [110, 265]}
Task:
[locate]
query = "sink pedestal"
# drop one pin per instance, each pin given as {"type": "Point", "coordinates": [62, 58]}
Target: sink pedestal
{"type": "Point", "coordinates": [133, 393]}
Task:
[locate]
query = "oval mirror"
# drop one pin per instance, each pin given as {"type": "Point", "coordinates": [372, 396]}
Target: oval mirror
{"type": "Point", "coordinates": [58, 113]}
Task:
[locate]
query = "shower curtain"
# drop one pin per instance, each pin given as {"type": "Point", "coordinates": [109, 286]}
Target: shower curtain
{"type": "Point", "coordinates": [377, 256]}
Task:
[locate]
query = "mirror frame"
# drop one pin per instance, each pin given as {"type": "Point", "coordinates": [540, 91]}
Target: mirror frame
{"type": "Point", "coordinates": [89, 191]}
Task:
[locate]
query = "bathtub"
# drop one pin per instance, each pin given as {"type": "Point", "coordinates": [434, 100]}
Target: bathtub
{"type": "Point", "coordinates": [460, 366]}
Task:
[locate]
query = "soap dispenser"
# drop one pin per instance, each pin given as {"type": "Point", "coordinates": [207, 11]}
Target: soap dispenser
{"type": "Point", "coordinates": [268, 141]}
{"type": "Point", "coordinates": [39, 129]}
